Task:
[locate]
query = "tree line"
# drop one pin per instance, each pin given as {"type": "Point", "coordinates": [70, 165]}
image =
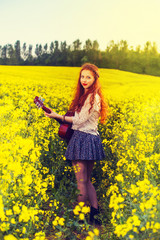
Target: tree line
{"type": "Point", "coordinates": [119, 55]}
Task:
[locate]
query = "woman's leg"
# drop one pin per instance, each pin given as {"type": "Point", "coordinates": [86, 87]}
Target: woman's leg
{"type": "Point", "coordinates": [94, 213]}
{"type": "Point", "coordinates": [92, 196]}
{"type": "Point", "coordinates": [80, 169]}
{"type": "Point", "coordinates": [83, 170]}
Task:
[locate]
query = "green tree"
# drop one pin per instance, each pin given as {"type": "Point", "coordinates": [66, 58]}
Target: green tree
{"type": "Point", "coordinates": [88, 45]}
{"type": "Point", "coordinates": [63, 47]}
{"type": "Point", "coordinates": [77, 45]}
{"type": "Point", "coordinates": [112, 54]}
{"type": "Point", "coordinates": [154, 50]}
{"type": "Point", "coordinates": [40, 50]}
{"type": "Point", "coordinates": [56, 44]}
{"type": "Point", "coordinates": [0, 51]}
{"type": "Point", "coordinates": [4, 52]}
{"type": "Point", "coordinates": [95, 45]}
{"type": "Point", "coordinates": [151, 62]}
{"type": "Point", "coordinates": [24, 53]}
{"type": "Point", "coordinates": [11, 52]}
{"type": "Point", "coordinates": [29, 57]}
{"type": "Point", "coordinates": [123, 54]}
{"type": "Point", "coordinates": [37, 50]}
{"type": "Point", "coordinates": [45, 48]}
{"type": "Point", "coordinates": [17, 52]}
{"type": "Point", "coordinates": [51, 47]}
{"type": "Point", "coordinates": [84, 59]}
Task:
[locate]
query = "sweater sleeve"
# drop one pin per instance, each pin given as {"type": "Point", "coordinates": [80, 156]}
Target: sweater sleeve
{"type": "Point", "coordinates": [84, 114]}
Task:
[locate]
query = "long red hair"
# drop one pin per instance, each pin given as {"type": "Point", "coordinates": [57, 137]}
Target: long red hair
{"type": "Point", "coordinates": [80, 97]}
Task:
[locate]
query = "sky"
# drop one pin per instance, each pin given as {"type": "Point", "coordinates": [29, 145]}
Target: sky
{"type": "Point", "coordinates": [43, 21]}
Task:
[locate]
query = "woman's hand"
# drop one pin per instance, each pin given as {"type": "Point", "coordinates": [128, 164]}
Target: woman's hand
{"type": "Point", "coordinates": [57, 116]}
{"type": "Point", "coordinates": [52, 114]}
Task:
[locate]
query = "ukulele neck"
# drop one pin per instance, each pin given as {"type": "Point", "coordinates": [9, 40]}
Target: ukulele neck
{"type": "Point", "coordinates": [48, 111]}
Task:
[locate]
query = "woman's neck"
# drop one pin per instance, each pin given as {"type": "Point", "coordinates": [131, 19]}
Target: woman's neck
{"type": "Point", "coordinates": [85, 91]}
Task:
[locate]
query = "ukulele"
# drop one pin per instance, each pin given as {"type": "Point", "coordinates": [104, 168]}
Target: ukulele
{"type": "Point", "coordinates": [65, 132]}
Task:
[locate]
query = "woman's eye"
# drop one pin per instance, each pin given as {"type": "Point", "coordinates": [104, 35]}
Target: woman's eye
{"type": "Point", "coordinates": [88, 77]}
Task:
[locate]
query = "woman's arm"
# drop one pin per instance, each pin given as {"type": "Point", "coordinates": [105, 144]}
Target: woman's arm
{"type": "Point", "coordinates": [58, 116]}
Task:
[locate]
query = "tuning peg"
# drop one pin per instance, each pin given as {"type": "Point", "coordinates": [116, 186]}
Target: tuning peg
{"type": "Point", "coordinates": [38, 104]}
{"type": "Point", "coordinates": [41, 99]}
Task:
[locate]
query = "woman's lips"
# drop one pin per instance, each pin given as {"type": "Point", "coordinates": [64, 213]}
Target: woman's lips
{"type": "Point", "coordinates": [84, 84]}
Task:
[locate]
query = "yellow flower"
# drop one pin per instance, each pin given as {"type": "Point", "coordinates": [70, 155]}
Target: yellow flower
{"type": "Point", "coordinates": [136, 220]}
{"type": "Point", "coordinates": [143, 229]}
{"type": "Point", "coordinates": [59, 234]}
{"type": "Point", "coordinates": [131, 236]}
{"type": "Point", "coordinates": [9, 212]}
{"type": "Point", "coordinates": [4, 226]}
{"type": "Point", "coordinates": [147, 225]}
{"type": "Point", "coordinates": [135, 229]}
{"type": "Point", "coordinates": [91, 234]}
{"type": "Point", "coordinates": [119, 178]}
{"type": "Point", "coordinates": [24, 230]}
{"type": "Point", "coordinates": [55, 223]}
{"type": "Point", "coordinates": [81, 216]}
{"type": "Point", "coordinates": [39, 236]}
{"type": "Point", "coordinates": [16, 209]}
{"type": "Point", "coordinates": [76, 210]}
{"type": "Point", "coordinates": [89, 238]}
{"type": "Point", "coordinates": [13, 221]}
{"type": "Point", "coordinates": [96, 231]}
{"type": "Point", "coordinates": [133, 211]}
{"type": "Point", "coordinates": [85, 209]}
{"type": "Point", "coordinates": [157, 225]}
{"type": "Point", "coordinates": [81, 204]}
{"type": "Point", "coordinates": [61, 221]}
{"type": "Point", "coordinates": [57, 218]}
{"type": "Point", "coordinates": [10, 237]}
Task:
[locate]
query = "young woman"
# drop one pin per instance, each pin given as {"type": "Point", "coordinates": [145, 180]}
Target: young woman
{"type": "Point", "coordinates": [85, 146]}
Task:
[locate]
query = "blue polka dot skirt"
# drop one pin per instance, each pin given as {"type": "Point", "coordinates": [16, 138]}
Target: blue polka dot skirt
{"type": "Point", "coordinates": [84, 146]}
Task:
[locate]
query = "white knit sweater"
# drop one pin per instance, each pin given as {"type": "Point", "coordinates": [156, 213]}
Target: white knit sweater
{"type": "Point", "coordinates": [85, 121]}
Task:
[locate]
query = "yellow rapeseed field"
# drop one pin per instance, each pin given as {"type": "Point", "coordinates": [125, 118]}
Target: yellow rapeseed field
{"type": "Point", "coordinates": [37, 185]}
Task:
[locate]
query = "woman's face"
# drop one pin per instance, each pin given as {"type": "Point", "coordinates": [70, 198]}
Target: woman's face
{"type": "Point", "coordinates": [87, 79]}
